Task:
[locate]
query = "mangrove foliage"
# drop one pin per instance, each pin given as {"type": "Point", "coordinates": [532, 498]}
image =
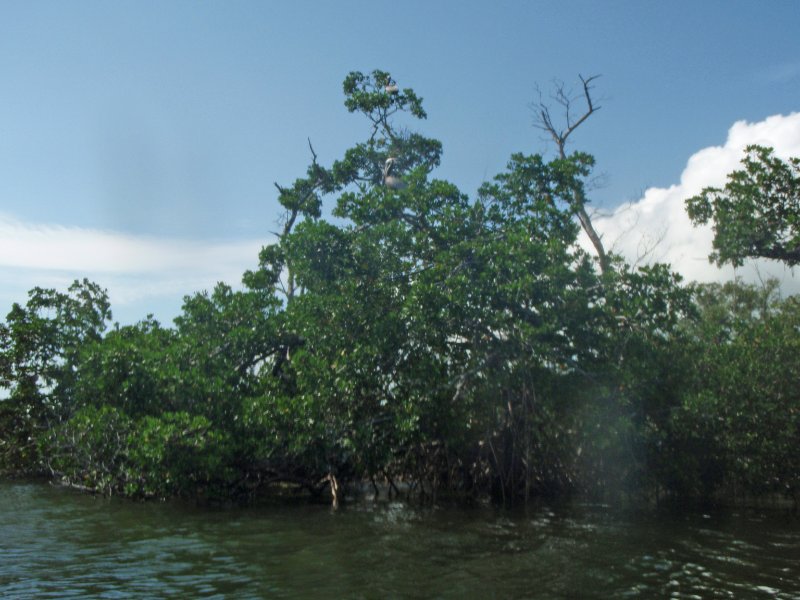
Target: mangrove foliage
{"type": "Point", "coordinates": [400, 333]}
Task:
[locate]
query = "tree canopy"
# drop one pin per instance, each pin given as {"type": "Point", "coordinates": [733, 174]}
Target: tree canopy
{"type": "Point", "coordinates": [757, 213]}
{"type": "Point", "coordinates": [417, 338]}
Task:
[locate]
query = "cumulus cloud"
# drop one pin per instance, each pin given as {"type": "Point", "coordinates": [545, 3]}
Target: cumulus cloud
{"type": "Point", "coordinates": [655, 228]}
{"type": "Point", "coordinates": [142, 274]}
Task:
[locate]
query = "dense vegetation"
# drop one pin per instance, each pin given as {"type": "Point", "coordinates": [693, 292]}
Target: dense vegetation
{"type": "Point", "coordinates": [421, 338]}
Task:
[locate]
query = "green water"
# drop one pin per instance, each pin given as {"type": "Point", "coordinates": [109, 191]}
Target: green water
{"type": "Point", "coordinates": [58, 543]}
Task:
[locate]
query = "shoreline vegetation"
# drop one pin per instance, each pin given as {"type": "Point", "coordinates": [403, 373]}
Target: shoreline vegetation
{"type": "Point", "coordinates": [423, 341]}
{"type": "Point", "coordinates": [366, 494]}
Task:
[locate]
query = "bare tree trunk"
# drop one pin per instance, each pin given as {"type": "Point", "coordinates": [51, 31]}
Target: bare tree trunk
{"type": "Point", "coordinates": [586, 223]}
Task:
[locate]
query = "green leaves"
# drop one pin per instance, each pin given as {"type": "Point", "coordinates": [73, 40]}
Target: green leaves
{"type": "Point", "coordinates": [743, 402]}
{"type": "Point", "coordinates": [40, 351]}
{"type": "Point", "coordinates": [378, 97]}
{"type": "Point", "coordinates": [104, 451]}
{"type": "Point", "coordinates": [757, 213]}
{"type": "Point", "coordinates": [462, 345]}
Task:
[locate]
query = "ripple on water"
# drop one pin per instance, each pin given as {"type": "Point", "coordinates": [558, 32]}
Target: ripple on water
{"type": "Point", "coordinates": [54, 543]}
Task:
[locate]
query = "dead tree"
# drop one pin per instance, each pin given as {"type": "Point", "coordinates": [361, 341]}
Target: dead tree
{"type": "Point", "coordinates": [543, 120]}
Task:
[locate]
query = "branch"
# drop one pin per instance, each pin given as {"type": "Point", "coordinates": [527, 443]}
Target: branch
{"type": "Point", "coordinates": [313, 154]}
{"type": "Point", "coordinates": [591, 109]}
{"type": "Point", "coordinates": [544, 119]}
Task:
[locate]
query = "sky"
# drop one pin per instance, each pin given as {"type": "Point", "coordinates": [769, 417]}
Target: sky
{"type": "Point", "coordinates": [140, 141]}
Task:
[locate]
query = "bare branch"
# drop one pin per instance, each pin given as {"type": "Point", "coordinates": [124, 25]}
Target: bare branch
{"type": "Point", "coordinates": [566, 100]}
{"type": "Point", "coordinates": [591, 108]}
{"type": "Point", "coordinates": [313, 154]}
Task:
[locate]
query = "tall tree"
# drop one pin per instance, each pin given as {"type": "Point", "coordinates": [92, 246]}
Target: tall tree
{"type": "Point", "coordinates": [545, 121]}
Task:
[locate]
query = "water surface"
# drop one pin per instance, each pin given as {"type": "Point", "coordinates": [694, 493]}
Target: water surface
{"type": "Point", "coordinates": [59, 543]}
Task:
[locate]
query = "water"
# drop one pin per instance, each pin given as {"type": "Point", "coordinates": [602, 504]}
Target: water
{"type": "Point", "coordinates": [59, 543]}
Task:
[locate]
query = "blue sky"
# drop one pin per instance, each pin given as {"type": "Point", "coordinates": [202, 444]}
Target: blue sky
{"type": "Point", "coordinates": [139, 141]}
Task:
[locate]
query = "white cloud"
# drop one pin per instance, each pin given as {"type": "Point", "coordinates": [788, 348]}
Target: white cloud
{"type": "Point", "coordinates": [142, 274]}
{"type": "Point", "coordinates": [656, 227]}
{"type": "Point", "coordinates": [37, 246]}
